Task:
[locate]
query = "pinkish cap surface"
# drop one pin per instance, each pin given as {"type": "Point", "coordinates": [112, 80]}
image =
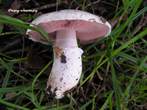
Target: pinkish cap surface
{"type": "Point", "coordinates": [88, 27]}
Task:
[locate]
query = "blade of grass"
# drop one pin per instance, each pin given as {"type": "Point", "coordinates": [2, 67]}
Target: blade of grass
{"type": "Point", "coordinates": [116, 86]}
{"type": "Point", "coordinates": [8, 67]}
{"type": "Point", "coordinates": [34, 98]}
{"type": "Point", "coordinates": [8, 33]}
{"type": "Point", "coordinates": [14, 89]}
{"type": "Point", "coordinates": [8, 104]}
{"type": "Point", "coordinates": [105, 105]}
{"type": "Point", "coordinates": [142, 11]}
{"type": "Point", "coordinates": [94, 102]}
{"type": "Point", "coordinates": [128, 89]}
{"type": "Point", "coordinates": [117, 51]}
{"type": "Point", "coordinates": [128, 43]}
{"type": "Point", "coordinates": [131, 17]}
{"type": "Point", "coordinates": [63, 107]}
{"type": "Point", "coordinates": [100, 62]}
{"type": "Point", "coordinates": [83, 107]}
{"type": "Point", "coordinates": [120, 28]}
{"type": "Point", "coordinates": [143, 64]}
{"type": "Point", "coordinates": [16, 22]}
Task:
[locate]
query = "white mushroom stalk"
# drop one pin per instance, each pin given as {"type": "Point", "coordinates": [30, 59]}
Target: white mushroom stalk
{"type": "Point", "coordinates": [67, 66]}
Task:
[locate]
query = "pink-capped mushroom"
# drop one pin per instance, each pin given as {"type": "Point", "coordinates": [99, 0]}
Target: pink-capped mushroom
{"type": "Point", "coordinates": [65, 27]}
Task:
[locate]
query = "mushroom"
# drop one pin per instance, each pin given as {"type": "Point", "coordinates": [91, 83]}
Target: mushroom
{"type": "Point", "coordinates": [65, 27]}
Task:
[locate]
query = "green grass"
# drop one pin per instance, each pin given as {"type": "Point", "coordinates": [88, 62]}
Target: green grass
{"type": "Point", "coordinates": [114, 77]}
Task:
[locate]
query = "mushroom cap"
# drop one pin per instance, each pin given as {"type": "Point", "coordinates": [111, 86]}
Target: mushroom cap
{"type": "Point", "coordinates": [88, 27]}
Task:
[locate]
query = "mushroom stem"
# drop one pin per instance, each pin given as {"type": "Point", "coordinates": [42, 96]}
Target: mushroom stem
{"type": "Point", "coordinates": [67, 66]}
{"type": "Point", "coordinates": [66, 38]}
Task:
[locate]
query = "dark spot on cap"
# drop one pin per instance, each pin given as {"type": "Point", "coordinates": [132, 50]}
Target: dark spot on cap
{"type": "Point", "coordinates": [76, 79]}
{"type": "Point", "coordinates": [63, 58]}
{"type": "Point", "coordinates": [61, 79]}
{"type": "Point", "coordinates": [55, 89]}
{"type": "Point", "coordinates": [103, 19]}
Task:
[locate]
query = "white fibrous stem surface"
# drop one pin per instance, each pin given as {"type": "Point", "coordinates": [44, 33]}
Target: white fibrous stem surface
{"type": "Point", "coordinates": [67, 65]}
